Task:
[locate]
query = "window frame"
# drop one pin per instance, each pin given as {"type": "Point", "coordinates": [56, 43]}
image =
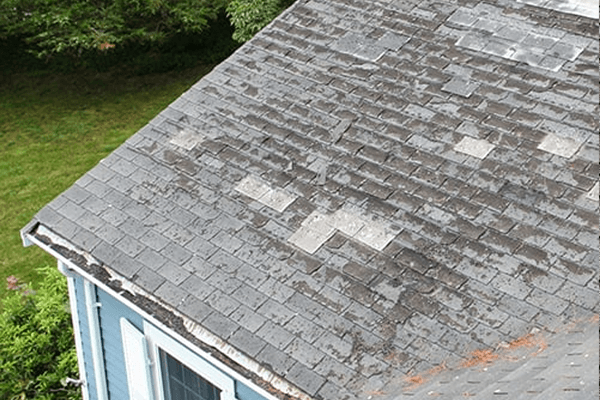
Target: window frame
{"type": "Point", "coordinates": [157, 340]}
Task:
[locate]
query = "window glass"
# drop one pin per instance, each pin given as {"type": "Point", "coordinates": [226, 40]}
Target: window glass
{"type": "Point", "coordinates": [181, 383]}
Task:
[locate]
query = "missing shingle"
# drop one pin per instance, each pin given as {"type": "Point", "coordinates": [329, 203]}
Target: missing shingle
{"type": "Point", "coordinates": [561, 146]}
{"type": "Point", "coordinates": [351, 42]}
{"type": "Point", "coordinates": [478, 148]}
{"type": "Point", "coordinates": [320, 222]}
{"type": "Point", "coordinates": [392, 41]}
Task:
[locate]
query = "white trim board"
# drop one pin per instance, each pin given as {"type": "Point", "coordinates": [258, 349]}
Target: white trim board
{"type": "Point", "coordinates": [158, 339]}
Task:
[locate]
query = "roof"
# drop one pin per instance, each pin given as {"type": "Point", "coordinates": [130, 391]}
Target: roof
{"type": "Point", "coordinates": [536, 366]}
{"type": "Point", "coordinates": [365, 191]}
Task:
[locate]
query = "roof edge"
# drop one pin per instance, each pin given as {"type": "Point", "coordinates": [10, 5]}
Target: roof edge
{"type": "Point", "coordinates": [50, 242]}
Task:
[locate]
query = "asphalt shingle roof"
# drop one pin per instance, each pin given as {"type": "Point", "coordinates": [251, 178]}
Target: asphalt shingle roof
{"type": "Point", "coordinates": [366, 190]}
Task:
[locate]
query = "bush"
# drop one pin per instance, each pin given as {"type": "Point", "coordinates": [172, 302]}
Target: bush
{"type": "Point", "coordinates": [37, 349]}
{"type": "Point", "coordinates": [177, 52]}
{"type": "Point", "coordinates": [250, 16]}
{"type": "Point", "coordinates": [75, 27]}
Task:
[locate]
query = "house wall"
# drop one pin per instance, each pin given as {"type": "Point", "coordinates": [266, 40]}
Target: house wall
{"type": "Point", "coordinates": [110, 313]}
{"type": "Point", "coordinates": [84, 331]}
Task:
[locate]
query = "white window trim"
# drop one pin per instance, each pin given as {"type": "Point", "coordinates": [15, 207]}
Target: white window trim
{"type": "Point", "coordinates": [91, 305]}
{"type": "Point", "coordinates": [70, 275]}
{"type": "Point", "coordinates": [137, 363]}
{"type": "Point", "coordinates": [158, 339]}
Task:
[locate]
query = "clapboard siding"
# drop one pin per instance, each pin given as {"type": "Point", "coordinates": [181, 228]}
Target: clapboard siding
{"type": "Point", "coordinates": [84, 331]}
{"type": "Point", "coordinates": [243, 392]}
{"type": "Point", "coordinates": [110, 313]}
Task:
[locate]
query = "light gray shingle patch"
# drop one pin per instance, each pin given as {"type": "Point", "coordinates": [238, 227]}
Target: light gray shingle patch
{"type": "Point", "coordinates": [278, 200]}
{"type": "Point", "coordinates": [346, 222]}
{"type": "Point", "coordinates": [561, 146]}
{"type": "Point", "coordinates": [187, 139]}
{"type": "Point", "coordinates": [252, 187]}
{"type": "Point", "coordinates": [510, 38]}
{"type": "Point", "coordinates": [317, 228]}
{"type": "Point", "coordinates": [460, 86]}
{"type": "Point", "coordinates": [311, 239]}
{"type": "Point", "coordinates": [585, 8]}
{"type": "Point", "coordinates": [473, 41]}
{"type": "Point", "coordinates": [256, 189]}
{"type": "Point", "coordinates": [594, 193]}
{"type": "Point", "coordinates": [376, 235]}
{"type": "Point", "coordinates": [463, 17]}
{"type": "Point", "coordinates": [566, 131]}
{"type": "Point", "coordinates": [392, 41]}
{"type": "Point", "coordinates": [367, 48]}
{"type": "Point", "coordinates": [478, 148]}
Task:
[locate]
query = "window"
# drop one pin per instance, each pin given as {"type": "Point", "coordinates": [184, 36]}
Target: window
{"type": "Point", "coordinates": [181, 383]}
{"type": "Point", "coordinates": [161, 368]}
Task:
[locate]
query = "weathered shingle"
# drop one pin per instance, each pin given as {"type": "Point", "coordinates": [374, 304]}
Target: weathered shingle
{"type": "Point", "coordinates": [366, 190]}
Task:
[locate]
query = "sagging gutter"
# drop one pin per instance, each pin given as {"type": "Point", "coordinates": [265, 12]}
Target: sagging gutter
{"type": "Point", "coordinates": [201, 334]}
{"type": "Point", "coordinates": [70, 275]}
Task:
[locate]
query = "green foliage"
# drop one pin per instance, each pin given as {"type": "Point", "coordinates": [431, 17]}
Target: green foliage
{"type": "Point", "coordinates": [178, 52]}
{"type": "Point", "coordinates": [56, 127]}
{"type": "Point", "coordinates": [37, 349]}
{"type": "Point", "coordinates": [79, 26]}
{"type": "Point", "coordinates": [250, 16]}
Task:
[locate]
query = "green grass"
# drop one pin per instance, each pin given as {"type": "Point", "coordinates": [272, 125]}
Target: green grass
{"type": "Point", "coordinates": [53, 129]}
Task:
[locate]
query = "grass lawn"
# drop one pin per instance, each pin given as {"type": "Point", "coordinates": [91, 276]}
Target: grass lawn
{"type": "Point", "coordinates": [53, 129]}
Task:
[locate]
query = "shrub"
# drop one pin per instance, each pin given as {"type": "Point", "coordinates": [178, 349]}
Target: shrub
{"type": "Point", "coordinates": [74, 27]}
{"type": "Point", "coordinates": [37, 349]}
{"type": "Point", "coordinates": [250, 16]}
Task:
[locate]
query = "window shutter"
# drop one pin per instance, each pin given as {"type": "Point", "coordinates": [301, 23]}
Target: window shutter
{"type": "Point", "coordinates": [136, 362]}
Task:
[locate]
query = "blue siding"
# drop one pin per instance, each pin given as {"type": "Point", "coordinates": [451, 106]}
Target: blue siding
{"type": "Point", "coordinates": [110, 329]}
{"type": "Point", "coordinates": [85, 338]}
{"type": "Point", "coordinates": [111, 312]}
{"type": "Point", "coordinates": [243, 392]}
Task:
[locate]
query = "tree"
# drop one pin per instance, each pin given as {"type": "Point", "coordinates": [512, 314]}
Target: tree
{"type": "Point", "coordinates": [37, 349]}
{"type": "Point", "coordinates": [76, 26]}
{"type": "Point", "coordinates": [250, 16]}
